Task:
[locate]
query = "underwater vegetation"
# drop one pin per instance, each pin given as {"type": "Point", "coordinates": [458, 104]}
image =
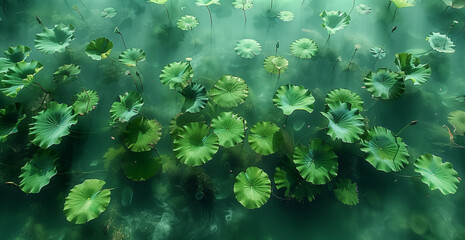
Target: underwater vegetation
{"type": "Point", "coordinates": [211, 119]}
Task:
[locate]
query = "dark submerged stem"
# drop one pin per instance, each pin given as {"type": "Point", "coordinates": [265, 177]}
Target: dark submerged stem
{"type": "Point", "coordinates": [140, 79]}
{"type": "Point", "coordinates": [84, 5]}
{"type": "Point", "coordinates": [352, 58]}
{"type": "Point", "coordinates": [133, 79]}
{"type": "Point", "coordinates": [43, 89]}
{"type": "Point", "coordinates": [406, 126]}
{"type": "Point", "coordinates": [122, 38]}
{"type": "Point", "coordinates": [211, 24]}
{"type": "Point", "coordinates": [168, 13]}
{"type": "Point", "coordinates": [353, 5]}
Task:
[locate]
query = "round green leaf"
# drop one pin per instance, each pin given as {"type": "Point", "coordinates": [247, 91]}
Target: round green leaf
{"type": "Point", "coordinates": [440, 43]}
{"type": "Point", "coordinates": [52, 124]}
{"type": "Point", "coordinates": [229, 91]}
{"type": "Point", "coordinates": [316, 163]}
{"type": "Point", "coordinates": [140, 166]}
{"type": "Point", "coordinates": [243, 4]}
{"type": "Point", "coordinates": [99, 48]}
{"type": "Point", "coordinates": [86, 101]}
{"type": "Point", "coordinates": [187, 23]}
{"type": "Point", "coordinates": [290, 98]}
{"type": "Point", "coordinates": [252, 188]}
{"type": "Point", "coordinates": [177, 74]}
{"type": "Point", "coordinates": [457, 119]}
{"type": "Point", "coordinates": [378, 52]}
{"type": "Point", "coordinates": [275, 64]}
{"type": "Point", "coordinates": [385, 84]}
{"type": "Point", "coordinates": [141, 134]}
{"type": "Point", "coordinates": [195, 145]}
{"type": "Point", "coordinates": [385, 151]}
{"type": "Point", "coordinates": [334, 21]}
{"type": "Point", "coordinates": [195, 98]}
{"type": "Point", "coordinates": [10, 118]}
{"type": "Point", "coordinates": [17, 54]}
{"type": "Point", "coordinates": [412, 69]}
{"type": "Point", "coordinates": [230, 129]}
{"type": "Point", "coordinates": [436, 174]}
{"type": "Point", "coordinates": [262, 138]}
{"type": "Point", "coordinates": [346, 192]}
{"type": "Point", "coordinates": [404, 3]}
{"type": "Point", "coordinates": [455, 3]}
{"type": "Point", "coordinates": [286, 16]}
{"type": "Point", "coordinates": [66, 73]}
{"type": "Point", "coordinates": [341, 95]}
{"type": "Point", "coordinates": [248, 48]}
{"type": "Point", "coordinates": [363, 9]}
{"type": "Point", "coordinates": [108, 12]}
{"type": "Point", "coordinates": [161, 2]}
{"type": "Point", "coordinates": [304, 48]}
{"type": "Point", "coordinates": [295, 186]}
{"type": "Point", "coordinates": [132, 56]}
{"type": "Point", "coordinates": [207, 2]}
{"type": "Point", "coordinates": [19, 77]}
{"type": "Point", "coordinates": [54, 40]}
{"type": "Point", "coordinates": [128, 106]}
{"type": "Point", "coordinates": [345, 123]}
{"type": "Point", "coordinates": [86, 201]}
{"type": "Point", "coordinates": [37, 173]}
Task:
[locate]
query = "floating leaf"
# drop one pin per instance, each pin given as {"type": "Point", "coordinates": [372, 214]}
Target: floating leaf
{"type": "Point", "coordinates": [66, 73]}
{"type": "Point", "coordinates": [108, 12]}
{"type": "Point", "coordinates": [248, 48]}
{"type": "Point", "coordinates": [286, 16]}
{"type": "Point", "coordinates": [141, 134]}
{"type": "Point", "coordinates": [386, 152]}
{"type": "Point", "coordinates": [378, 52]}
{"type": "Point", "coordinates": [19, 77]}
{"type": "Point", "coordinates": [455, 3]}
{"type": "Point", "coordinates": [363, 9]}
{"type": "Point", "coordinates": [128, 106]}
{"type": "Point", "coordinates": [195, 145]}
{"type": "Point", "coordinates": [52, 124]}
{"type": "Point", "coordinates": [288, 178]}
{"type": "Point", "coordinates": [334, 21]}
{"type": "Point", "coordinates": [37, 173]}
{"type": "Point", "coordinates": [177, 74]}
{"type": "Point", "coordinates": [161, 2]}
{"type": "Point", "coordinates": [436, 174]}
{"type": "Point", "coordinates": [195, 98]}
{"type": "Point", "coordinates": [411, 67]}
{"type": "Point", "coordinates": [229, 91]}
{"type": "Point", "coordinates": [10, 118]}
{"type": "Point", "coordinates": [346, 192]}
{"type": "Point", "coordinates": [440, 43]}
{"type": "Point", "coordinates": [230, 129]}
{"type": "Point", "coordinates": [263, 138]}
{"type": "Point", "coordinates": [290, 98]}
{"type": "Point", "coordinates": [207, 2]}
{"type": "Point", "coordinates": [345, 123]}
{"type": "Point", "coordinates": [132, 56]}
{"type": "Point", "coordinates": [404, 3]}
{"type": "Point", "coordinates": [54, 40]}
{"type": "Point", "coordinates": [17, 54]}
{"type": "Point", "coordinates": [99, 48]}
{"type": "Point", "coordinates": [275, 64]}
{"type": "Point", "coordinates": [187, 23]}
{"type": "Point", "coordinates": [86, 201]}
{"type": "Point", "coordinates": [385, 84]}
{"type": "Point", "coordinates": [304, 48]}
{"type": "Point", "coordinates": [457, 119]}
{"type": "Point", "coordinates": [252, 188]}
{"type": "Point", "coordinates": [243, 4]}
{"type": "Point", "coordinates": [5, 64]}
{"type": "Point", "coordinates": [140, 166]}
{"type": "Point", "coordinates": [86, 101]}
{"type": "Point", "coordinates": [341, 95]}
{"type": "Point", "coordinates": [317, 162]}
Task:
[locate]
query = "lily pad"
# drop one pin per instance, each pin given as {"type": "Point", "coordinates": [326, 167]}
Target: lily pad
{"type": "Point", "coordinates": [86, 201]}
{"type": "Point", "coordinates": [317, 162]}
{"type": "Point", "coordinates": [187, 22]}
{"type": "Point", "coordinates": [455, 3]}
{"type": "Point", "coordinates": [385, 84]}
{"type": "Point", "coordinates": [334, 21]}
{"type": "Point", "coordinates": [161, 2]}
{"type": "Point", "coordinates": [345, 123]}
{"type": "Point", "coordinates": [378, 52]}
{"type": "Point", "coordinates": [86, 101]}
{"type": "Point", "coordinates": [411, 67]}
{"type": "Point", "coordinates": [291, 97]}
{"type": "Point", "coordinates": [440, 43]}
{"type": "Point", "coordinates": [436, 174]}
{"type": "Point", "coordinates": [207, 2]}
{"type": "Point", "coordinates": [19, 77]}
{"type": "Point", "coordinates": [108, 13]}
{"type": "Point", "coordinates": [363, 9]}
{"type": "Point", "coordinates": [66, 73]}
{"type": "Point", "coordinates": [10, 118]}
{"type": "Point", "coordinates": [248, 48]}
{"type": "Point", "coordinates": [17, 54]}
{"type": "Point", "coordinates": [286, 16]}
{"type": "Point", "coordinates": [50, 125]}
{"type": "Point", "coordinates": [195, 145]}
{"type": "Point", "coordinates": [288, 178]}
{"type": "Point", "coordinates": [457, 119]}
{"type": "Point", "coordinates": [252, 188]}
{"type": "Point", "coordinates": [404, 3]}
{"type": "Point", "coordinates": [229, 91]}
{"type": "Point", "coordinates": [195, 98]}
{"type": "Point", "coordinates": [141, 134]}
{"type": "Point", "coordinates": [128, 106]}
{"type": "Point", "coordinates": [275, 64]}
{"type": "Point", "coordinates": [304, 48]}
{"type": "Point", "coordinates": [177, 74]}
{"type": "Point", "coordinates": [230, 129]}
{"type": "Point", "coordinates": [263, 138]}
{"type": "Point", "coordinates": [346, 192]}
{"type": "Point", "coordinates": [37, 173]}
{"type": "Point", "coordinates": [341, 95]}
{"type": "Point", "coordinates": [132, 56]}
{"type": "Point", "coordinates": [386, 152]}
{"type": "Point", "coordinates": [99, 48]}
{"type": "Point", "coordinates": [243, 4]}
{"type": "Point", "coordinates": [56, 39]}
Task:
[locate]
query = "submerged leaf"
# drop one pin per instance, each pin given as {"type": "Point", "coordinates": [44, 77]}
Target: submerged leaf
{"type": "Point", "coordinates": [19, 77]}
{"type": "Point", "coordinates": [140, 166]}
{"type": "Point", "coordinates": [440, 43]}
{"type": "Point", "coordinates": [37, 173]}
{"type": "Point", "coordinates": [128, 106]}
{"type": "Point", "coordinates": [243, 4]}
{"type": "Point", "coordinates": [248, 48]}
{"type": "Point", "coordinates": [290, 98]}
{"type": "Point", "coordinates": [363, 9]}
{"type": "Point", "coordinates": [436, 174]}
{"type": "Point", "coordinates": [108, 12]}
{"type": "Point", "coordinates": [334, 21]}
{"type": "Point", "coordinates": [229, 91]}
{"type": "Point", "coordinates": [378, 52]}
{"type": "Point", "coordinates": [230, 129]}
{"type": "Point", "coordinates": [86, 101]}
{"type": "Point", "coordinates": [385, 84]}
{"type": "Point", "coordinates": [17, 54]}
{"type": "Point", "coordinates": [195, 98]}
{"type": "Point", "coordinates": [346, 192]}
{"type": "Point", "coordinates": [275, 64]}
{"type": "Point", "coordinates": [286, 16]}
{"type": "Point", "coordinates": [288, 178]}
{"type": "Point", "coordinates": [304, 48]}
{"type": "Point", "coordinates": [341, 95]}
{"type": "Point", "coordinates": [457, 119]}
{"type": "Point", "coordinates": [252, 188]}
{"type": "Point", "coordinates": [132, 56]}
{"type": "Point", "coordinates": [411, 67]}
{"type": "Point", "coordinates": [404, 3]}
{"type": "Point", "coordinates": [177, 74]}
{"type": "Point", "coordinates": [345, 123]}
{"type": "Point", "coordinates": [263, 138]}
{"type": "Point", "coordinates": [99, 48]}
{"type": "Point", "coordinates": [141, 134]}
{"type": "Point", "coordinates": [55, 40]}
{"type": "Point", "coordinates": [66, 73]}
{"type": "Point", "coordinates": [10, 118]}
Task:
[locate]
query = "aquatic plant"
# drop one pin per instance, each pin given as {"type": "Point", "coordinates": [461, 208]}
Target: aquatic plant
{"type": "Point", "coordinates": [385, 84]}
{"type": "Point", "coordinates": [363, 9]}
{"type": "Point", "coordinates": [66, 73]}
{"type": "Point", "coordinates": [17, 54]}
{"type": "Point", "coordinates": [195, 98]}
{"type": "Point", "coordinates": [243, 5]}
{"type": "Point", "coordinates": [10, 118]}
{"type": "Point", "coordinates": [275, 65]}
{"type": "Point", "coordinates": [140, 166]}
{"type": "Point", "coordinates": [162, 2]}
{"type": "Point", "coordinates": [54, 40]}
{"type": "Point", "coordinates": [440, 43]}
{"type": "Point", "coordinates": [230, 129]}
{"type": "Point", "coordinates": [128, 106]}
{"type": "Point", "coordinates": [248, 48]}
{"type": "Point", "coordinates": [412, 69]}
{"type": "Point", "coordinates": [207, 3]}
{"type": "Point", "coordinates": [50, 125]}
{"type": "Point", "coordinates": [378, 53]}
{"type": "Point", "coordinates": [457, 120]}
{"type": "Point", "coordinates": [287, 177]}
{"type": "Point", "coordinates": [141, 134]}
{"type": "Point", "coordinates": [108, 12]}
{"type": "Point", "coordinates": [86, 101]}
{"type": "Point", "coordinates": [19, 77]}
{"type": "Point", "coordinates": [187, 23]}
{"type": "Point", "coordinates": [37, 173]}
{"type": "Point", "coordinates": [341, 95]}
{"type": "Point", "coordinates": [252, 188]}
{"type": "Point", "coordinates": [86, 201]}
{"type": "Point", "coordinates": [455, 3]}
{"type": "Point", "coordinates": [403, 3]}
{"type": "Point", "coordinates": [304, 48]}
{"type": "Point", "coordinates": [99, 48]}
{"type": "Point", "coordinates": [344, 122]}
{"type": "Point", "coordinates": [263, 138]}
{"type": "Point", "coordinates": [229, 91]}
{"type": "Point", "coordinates": [436, 174]}
{"type": "Point", "coordinates": [291, 97]}
{"type": "Point", "coordinates": [346, 192]}
{"type": "Point", "coordinates": [334, 21]}
{"type": "Point", "coordinates": [177, 74]}
{"type": "Point", "coordinates": [286, 16]}
{"type": "Point", "coordinates": [132, 56]}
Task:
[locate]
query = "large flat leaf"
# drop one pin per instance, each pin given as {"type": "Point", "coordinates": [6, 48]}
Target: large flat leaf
{"type": "Point", "coordinates": [252, 188]}
{"type": "Point", "coordinates": [291, 97]}
{"type": "Point", "coordinates": [436, 174]}
{"type": "Point", "coordinates": [344, 123]}
{"type": "Point", "coordinates": [37, 173]}
{"type": "Point", "coordinates": [54, 40]}
{"type": "Point", "coordinates": [411, 67]}
{"type": "Point", "coordinates": [19, 77]}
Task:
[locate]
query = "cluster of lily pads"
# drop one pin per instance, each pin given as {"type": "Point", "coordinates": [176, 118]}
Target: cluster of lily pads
{"type": "Point", "coordinates": [300, 174]}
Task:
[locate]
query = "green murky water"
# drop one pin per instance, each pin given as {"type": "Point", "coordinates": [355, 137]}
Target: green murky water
{"type": "Point", "coordinates": [178, 201]}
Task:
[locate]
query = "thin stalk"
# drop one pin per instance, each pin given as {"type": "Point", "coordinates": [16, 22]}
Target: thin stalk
{"type": "Point", "coordinates": [156, 152]}
{"type": "Point", "coordinates": [327, 40]}
{"type": "Point", "coordinates": [395, 13]}
{"type": "Point", "coordinates": [351, 59]}
{"type": "Point", "coordinates": [140, 79]}
{"type": "Point", "coordinates": [168, 13]}
{"type": "Point", "coordinates": [79, 12]}
{"type": "Point", "coordinates": [43, 89]}
{"type": "Point", "coordinates": [271, 5]}
{"type": "Point", "coordinates": [122, 38]}
{"type": "Point", "coordinates": [406, 126]}
{"type": "Point", "coordinates": [445, 10]}
{"type": "Point", "coordinates": [84, 5]}
{"type": "Point", "coordinates": [133, 79]}
{"type": "Point", "coordinates": [285, 120]}
{"type": "Point", "coordinates": [245, 19]}
{"type": "Point", "coordinates": [193, 37]}
{"type": "Point", "coordinates": [353, 5]}
{"type": "Point", "coordinates": [211, 24]}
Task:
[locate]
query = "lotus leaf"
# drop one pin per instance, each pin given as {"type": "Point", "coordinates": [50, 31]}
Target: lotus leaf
{"type": "Point", "coordinates": [346, 192]}
{"type": "Point", "coordinates": [290, 98]}
{"type": "Point", "coordinates": [436, 174]}
{"type": "Point", "coordinates": [5, 64]}
{"type": "Point", "coordinates": [108, 12]}
{"type": "Point", "coordinates": [440, 43]}
{"type": "Point", "coordinates": [37, 173]}
{"type": "Point", "coordinates": [86, 101]}
{"type": "Point", "coordinates": [195, 145]}
{"type": "Point", "coordinates": [230, 129]}
{"type": "Point", "coordinates": [386, 152]}
{"type": "Point", "coordinates": [363, 9]}
{"type": "Point", "coordinates": [178, 122]}
{"type": "Point", "coordinates": [161, 2]}
{"type": "Point", "coordinates": [248, 48]}
{"type": "Point", "coordinates": [66, 73]}
{"type": "Point", "coordinates": [207, 2]}
{"type": "Point", "coordinates": [378, 53]}
{"type": "Point", "coordinates": [229, 91]}
{"type": "Point", "coordinates": [263, 138]}
{"type": "Point", "coordinates": [455, 3]}
{"type": "Point", "coordinates": [317, 162]}
{"type": "Point", "coordinates": [275, 64]}
{"type": "Point", "coordinates": [54, 40]}
{"type": "Point", "coordinates": [141, 134]}
{"type": "Point", "coordinates": [342, 95]}
{"type": "Point", "coordinates": [17, 54]}
{"type": "Point", "coordinates": [10, 118]}
{"type": "Point", "coordinates": [86, 201]}
{"type": "Point", "coordinates": [140, 166]}
{"type": "Point", "coordinates": [19, 77]}
{"type": "Point", "coordinates": [304, 48]}
{"type": "Point", "coordinates": [457, 119]}
{"type": "Point", "coordinates": [385, 84]}
{"type": "Point", "coordinates": [243, 4]}
{"type": "Point", "coordinates": [132, 56]}
{"type": "Point", "coordinates": [99, 48]}
{"type": "Point", "coordinates": [334, 21]}
{"type": "Point", "coordinates": [128, 106]}
{"type": "Point", "coordinates": [187, 23]}
{"type": "Point", "coordinates": [286, 16]}
{"type": "Point", "coordinates": [177, 74]}
{"type": "Point", "coordinates": [295, 186]}
{"type": "Point", "coordinates": [52, 124]}
{"type": "Point", "coordinates": [413, 70]}
{"type": "Point", "coordinates": [195, 98]}
{"type": "Point", "coordinates": [345, 123]}
{"type": "Point", "coordinates": [404, 3]}
{"type": "Point", "coordinates": [252, 188]}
